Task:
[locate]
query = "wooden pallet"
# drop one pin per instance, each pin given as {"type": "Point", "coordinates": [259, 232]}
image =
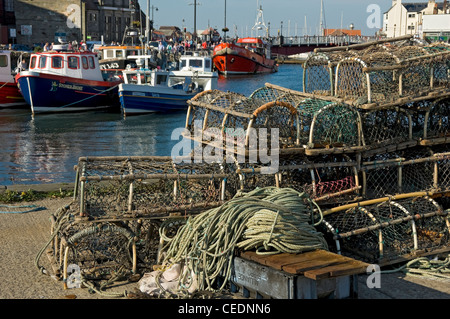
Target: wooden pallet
{"type": "Point", "coordinates": [315, 265]}
{"type": "Point", "coordinates": [310, 275]}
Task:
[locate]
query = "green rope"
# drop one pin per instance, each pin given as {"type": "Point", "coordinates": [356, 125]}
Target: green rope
{"type": "Point", "coordinates": [33, 208]}
{"type": "Point", "coordinates": [425, 268]}
{"type": "Point", "coordinates": [270, 220]}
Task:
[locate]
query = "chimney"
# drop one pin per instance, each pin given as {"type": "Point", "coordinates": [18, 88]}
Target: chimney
{"type": "Point", "coordinates": [444, 8]}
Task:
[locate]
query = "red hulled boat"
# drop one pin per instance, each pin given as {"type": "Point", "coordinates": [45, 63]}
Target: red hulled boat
{"type": "Point", "coordinates": [247, 56]}
{"type": "Point", "coordinates": [9, 92]}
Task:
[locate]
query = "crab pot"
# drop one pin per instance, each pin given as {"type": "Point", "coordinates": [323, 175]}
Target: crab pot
{"type": "Point", "coordinates": [412, 170]}
{"type": "Point", "coordinates": [119, 203]}
{"type": "Point", "coordinates": [303, 124]}
{"type": "Point", "coordinates": [328, 179]}
{"type": "Point", "coordinates": [389, 230]}
{"type": "Point", "coordinates": [140, 186]}
{"type": "Point", "coordinates": [375, 74]}
{"type": "Point", "coordinates": [238, 124]}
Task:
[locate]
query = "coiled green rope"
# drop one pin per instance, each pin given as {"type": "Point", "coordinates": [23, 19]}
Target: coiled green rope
{"type": "Point", "coordinates": [270, 220]}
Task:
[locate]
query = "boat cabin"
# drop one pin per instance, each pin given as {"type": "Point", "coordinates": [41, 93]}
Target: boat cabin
{"type": "Point", "coordinates": [159, 78]}
{"type": "Point", "coordinates": [5, 66]}
{"type": "Point", "coordinates": [196, 63]}
{"type": "Point", "coordinates": [119, 52]}
{"type": "Point", "coordinates": [81, 65]}
{"type": "Point", "coordinates": [256, 45]}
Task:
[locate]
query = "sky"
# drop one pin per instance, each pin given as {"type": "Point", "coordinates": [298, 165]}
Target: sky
{"type": "Point", "coordinates": [241, 14]}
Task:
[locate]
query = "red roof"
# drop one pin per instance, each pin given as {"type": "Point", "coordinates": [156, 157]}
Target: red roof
{"type": "Point", "coordinates": [341, 32]}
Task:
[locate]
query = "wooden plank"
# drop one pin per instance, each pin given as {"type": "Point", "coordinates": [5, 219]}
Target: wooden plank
{"type": "Point", "coordinates": [321, 262]}
{"type": "Point", "coordinates": [278, 261]}
{"type": "Point", "coordinates": [343, 269]}
{"type": "Point", "coordinates": [311, 257]}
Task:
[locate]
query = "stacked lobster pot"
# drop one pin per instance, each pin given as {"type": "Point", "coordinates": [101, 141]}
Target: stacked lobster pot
{"type": "Point", "coordinates": [110, 229]}
{"type": "Point", "coordinates": [372, 124]}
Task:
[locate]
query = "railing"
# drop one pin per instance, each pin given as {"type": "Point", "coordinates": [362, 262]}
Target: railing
{"type": "Point", "coordinates": [319, 40]}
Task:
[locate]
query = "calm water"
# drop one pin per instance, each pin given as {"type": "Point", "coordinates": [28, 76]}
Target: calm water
{"type": "Point", "coordinates": [44, 148]}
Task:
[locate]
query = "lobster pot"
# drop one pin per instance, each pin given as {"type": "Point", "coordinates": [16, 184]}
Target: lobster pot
{"type": "Point", "coordinates": [318, 75]}
{"type": "Point", "coordinates": [322, 123]}
{"type": "Point", "coordinates": [390, 128]}
{"type": "Point", "coordinates": [238, 124]}
{"type": "Point", "coordinates": [351, 80]}
{"type": "Point", "coordinates": [328, 179]}
{"type": "Point", "coordinates": [437, 125]}
{"type": "Point", "coordinates": [119, 204]}
{"type": "Point", "coordinates": [411, 170]}
{"type": "Point", "coordinates": [139, 186]}
{"type": "Point", "coordinates": [329, 127]}
{"type": "Point", "coordinates": [383, 80]}
{"type": "Point", "coordinates": [386, 231]}
{"type": "Point", "coordinates": [319, 71]}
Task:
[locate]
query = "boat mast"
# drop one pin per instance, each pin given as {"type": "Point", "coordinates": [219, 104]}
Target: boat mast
{"type": "Point", "coordinates": [259, 23]}
{"type": "Point", "coordinates": [322, 18]}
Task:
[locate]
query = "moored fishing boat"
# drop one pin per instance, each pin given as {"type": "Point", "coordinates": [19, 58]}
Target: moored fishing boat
{"type": "Point", "coordinates": [148, 91]}
{"type": "Point", "coordinates": [9, 92]}
{"type": "Point", "coordinates": [66, 81]}
{"type": "Point", "coordinates": [247, 56]}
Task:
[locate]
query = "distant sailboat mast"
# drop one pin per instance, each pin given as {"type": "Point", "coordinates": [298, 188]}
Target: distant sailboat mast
{"type": "Point", "coordinates": [322, 18]}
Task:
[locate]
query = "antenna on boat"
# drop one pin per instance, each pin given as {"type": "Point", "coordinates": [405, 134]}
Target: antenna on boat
{"type": "Point", "coordinates": [259, 23]}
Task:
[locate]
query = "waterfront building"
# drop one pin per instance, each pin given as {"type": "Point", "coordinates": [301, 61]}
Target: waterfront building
{"type": "Point", "coordinates": [41, 21]}
{"type": "Point", "coordinates": [407, 18]}
{"type": "Point", "coordinates": [7, 22]}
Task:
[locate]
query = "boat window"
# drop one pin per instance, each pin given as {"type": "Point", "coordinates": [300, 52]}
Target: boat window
{"type": "Point", "coordinates": [110, 53]}
{"type": "Point", "coordinates": [84, 61]}
{"type": "Point", "coordinates": [183, 63]}
{"type": "Point", "coordinates": [32, 62]}
{"type": "Point", "coordinates": [131, 78]}
{"type": "Point", "coordinates": [3, 60]}
{"type": "Point", "coordinates": [131, 52]}
{"type": "Point", "coordinates": [73, 62]}
{"type": "Point", "coordinates": [195, 63]}
{"type": "Point", "coordinates": [57, 62]}
{"type": "Point", "coordinates": [42, 62]}
{"type": "Point", "coordinates": [161, 78]}
{"type": "Point", "coordinates": [91, 62]}
{"type": "Point", "coordinates": [119, 54]}
{"type": "Point", "coordinates": [207, 64]}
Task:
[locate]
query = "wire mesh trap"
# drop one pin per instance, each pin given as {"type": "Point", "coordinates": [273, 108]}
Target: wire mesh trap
{"type": "Point", "coordinates": [112, 226]}
{"type": "Point", "coordinates": [390, 229]}
{"type": "Point", "coordinates": [380, 73]}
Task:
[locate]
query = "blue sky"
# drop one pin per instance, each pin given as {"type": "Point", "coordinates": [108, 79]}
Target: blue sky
{"type": "Point", "coordinates": [241, 14]}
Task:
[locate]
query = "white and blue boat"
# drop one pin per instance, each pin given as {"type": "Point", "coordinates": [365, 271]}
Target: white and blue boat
{"type": "Point", "coordinates": [148, 91]}
{"type": "Point", "coordinates": [66, 81]}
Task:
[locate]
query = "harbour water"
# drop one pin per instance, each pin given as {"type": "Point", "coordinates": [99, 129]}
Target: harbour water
{"type": "Point", "coordinates": [44, 148]}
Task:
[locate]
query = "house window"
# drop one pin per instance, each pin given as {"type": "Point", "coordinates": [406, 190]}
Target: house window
{"type": "Point", "coordinates": [57, 62]}
{"type": "Point", "coordinates": [73, 62]}
{"type": "Point", "coordinates": [92, 17]}
{"type": "Point", "coordinates": [9, 5]}
{"type": "Point", "coordinates": [411, 15]}
{"type": "Point", "coordinates": [410, 27]}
